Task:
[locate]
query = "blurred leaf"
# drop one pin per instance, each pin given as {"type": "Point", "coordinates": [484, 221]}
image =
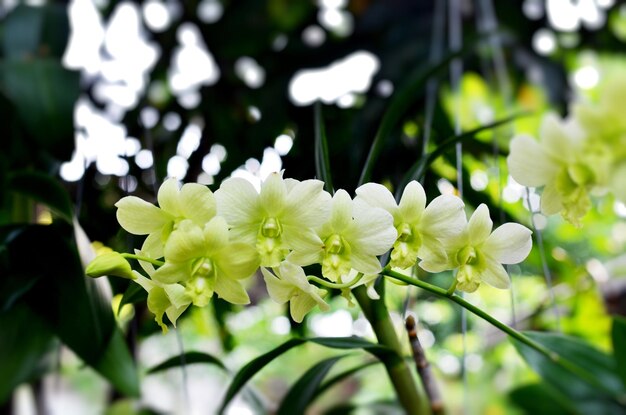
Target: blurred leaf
{"type": "Point", "coordinates": [417, 170]}
{"type": "Point", "coordinates": [400, 103]}
{"type": "Point", "coordinates": [254, 366]}
{"type": "Point", "coordinates": [322, 162]}
{"type": "Point", "coordinates": [541, 399]}
{"type": "Point", "coordinates": [22, 32]}
{"type": "Point", "coordinates": [44, 189]}
{"type": "Point", "coordinates": [599, 371]}
{"type": "Point", "coordinates": [74, 307]}
{"type": "Point", "coordinates": [117, 365]}
{"type": "Point", "coordinates": [303, 391]}
{"type": "Point", "coordinates": [342, 376]}
{"type": "Point", "coordinates": [133, 294]}
{"type": "Point", "coordinates": [188, 358]}
{"type": "Point", "coordinates": [44, 93]}
{"type": "Point", "coordinates": [23, 343]}
{"type": "Point", "coordinates": [618, 334]}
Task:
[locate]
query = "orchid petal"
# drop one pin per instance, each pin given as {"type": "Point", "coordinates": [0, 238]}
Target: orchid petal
{"type": "Point", "coordinates": [529, 164]}
{"type": "Point", "coordinates": [509, 243]}
{"type": "Point", "coordinates": [197, 203]}
{"type": "Point", "coordinates": [412, 202]}
{"type": "Point", "coordinates": [479, 226]}
{"type": "Point", "coordinates": [139, 217]}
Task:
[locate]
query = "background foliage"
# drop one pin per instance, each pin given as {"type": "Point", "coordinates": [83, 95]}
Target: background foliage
{"type": "Point", "coordinates": [48, 308]}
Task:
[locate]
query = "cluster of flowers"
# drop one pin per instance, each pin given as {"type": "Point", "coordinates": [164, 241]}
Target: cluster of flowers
{"type": "Point", "coordinates": [577, 156]}
{"type": "Point", "coordinates": [204, 243]}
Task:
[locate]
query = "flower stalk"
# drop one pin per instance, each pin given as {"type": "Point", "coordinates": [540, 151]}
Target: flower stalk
{"type": "Point", "coordinates": [399, 373]}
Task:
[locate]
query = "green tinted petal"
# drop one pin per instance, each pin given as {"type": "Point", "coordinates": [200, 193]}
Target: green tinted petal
{"type": "Point", "coordinates": [479, 226]}
{"type": "Point", "coordinates": [215, 235]}
{"type": "Point", "coordinates": [157, 304]}
{"type": "Point", "coordinates": [231, 290]}
{"type": "Point", "coordinates": [153, 246]}
{"type": "Point", "coordinates": [237, 261]}
{"type": "Point", "coordinates": [412, 203]}
{"type": "Point", "coordinates": [510, 243]}
{"type": "Point", "coordinates": [372, 233]}
{"type": "Point", "coordinates": [341, 211]}
{"type": "Point", "coordinates": [494, 274]}
{"type": "Point", "coordinates": [168, 197]}
{"type": "Point", "coordinates": [185, 244]}
{"type": "Point", "coordinates": [171, 273]}
{"type": "Point", "coordinates": [237, 202]}
{"type": "Point", "coordinates": [197, 203]}
{"type": "Point", "coordinates": [443, 217]}
{"type": "Point", "coordinates": [307, 205]}
{"type": "Point", "coordinates": [529, 164]}
{"type": "Point", "coordinates": [376, 195]}
{"type": "Point", "coordinates": [139, 217]}
{"type": "Point", "coordinates": [273, 195]}
{"type": "Point", "coordinates": [280, 291]}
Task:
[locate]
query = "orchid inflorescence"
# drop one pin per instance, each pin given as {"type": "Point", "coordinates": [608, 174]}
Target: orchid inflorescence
{"type": "Point", "coordinates": [199, 243]}
{"type": "Point", "coordinates": [578, 156]}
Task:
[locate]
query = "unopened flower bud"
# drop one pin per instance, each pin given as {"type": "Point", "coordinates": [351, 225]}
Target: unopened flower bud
{"type": "Point", "coordinates": [111, 263]}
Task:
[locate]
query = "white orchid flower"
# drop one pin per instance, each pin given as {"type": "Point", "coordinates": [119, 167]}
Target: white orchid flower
{"type": "Point", "coordinates": [289, 284]}
{"type": "Point", "coordinates": [278, 219]}
{"type": "Point", "coordinates": [479, 253]}
{"type": "Point", "coordinates": [352, 238]}
{"type": "Point", "coordinates": [204, 261]}
{"type": "Point", "coordinates": [193, 201]}
{"type": "Point", "coordinates": [419, 228]}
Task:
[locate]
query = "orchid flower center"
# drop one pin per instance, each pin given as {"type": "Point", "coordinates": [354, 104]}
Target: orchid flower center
{"type": "Point", "coordinates": [467, 255]}
{"type": "Point", "coordinates": [334, 245]}
{"type": "Point", "coordinates": [203, 268]}
{"type": "Point", "coordinates": [271, 228]}
{"type": "Point", "coordinates": [404, 232]}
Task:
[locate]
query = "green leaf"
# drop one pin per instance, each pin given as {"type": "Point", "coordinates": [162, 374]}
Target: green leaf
{"type": "Point", "coordinates": [342, 376]}
{"type": "Point", "coordinates": [44, 94]}
{"type": "Point", "coordinates": [133, 294]}
{"type": "Point", "coordinates": [618, 334]}
{"type": "Point", "coordinates": [187, 358]}
{"type": "Point", "coordinates": [302, 392]}
{"type": "Point", "coordinates": [74, 307]}
{"type": "Point", "coordinates": [116, 364]}
{"type": "Point", "coordinates": [591, 377]}
{"type": "Point", "coordinates": [540, 399]}
{"type": "Point", "coordinates": [254, 366]}
{"type": "Point", "coordinates": [418, 169]}
{"type": "Point", "coordinates": [322, 162]}
{"type": "Point", "coordinates": [44, 189]}
{"type": "Point", "coordinates": [400, 103]}
{"type": "Point", "coordinates": [24, 342]}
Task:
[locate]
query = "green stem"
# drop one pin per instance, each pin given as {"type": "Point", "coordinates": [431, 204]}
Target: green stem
{"type": "Point", "coordinates": [401, 377]}
{"type": "Point", "coordinates": [555, 357]}
{"type": "Point", "coordinates": [338, 286]}
{"type": "Point", "coordinates": [143, 258]}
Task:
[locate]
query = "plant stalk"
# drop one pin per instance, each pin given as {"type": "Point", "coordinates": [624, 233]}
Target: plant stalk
{"type": "Point", "coordinates": [401, 377]}
{"type": "Point", "coordinates": [555, 357]}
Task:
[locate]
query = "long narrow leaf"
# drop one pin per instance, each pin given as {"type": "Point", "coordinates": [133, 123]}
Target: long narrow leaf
{"type": "Point", "coordinates": [189, 358]}
{"type": "Point", "coordinates": [592, 380]}
{"type": "Point", "coordinates": [400, 103]}
{"type": "Point", "coordinates": [417, 170]}
{"type": "Point", "coordinates": [322, 161]}
{"type": "Point", "coordinates": [253, 367]}
{"type": "Point", "coordinates": [44, 189]}
{"type": "Point", "coordinates": [302, 392]}
{"type": "Point", "coordinates": [618, 334]}
{"type": "Point", "coordinates": [341, 376]}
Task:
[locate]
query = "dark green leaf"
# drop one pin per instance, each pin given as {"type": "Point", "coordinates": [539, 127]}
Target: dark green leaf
{"type": "Point", "coordinates": [44, 94]}
{"type": "Point", "coordinates": [116, 364]}
{"type": "Point", "coordinates": [22, 32]}
{"type": "Point", "coordinates": [188, 358]}
{"type": "Point", "coordinates": [133, 294]}
{"type": "Point", "coordinates": [303, 391]}
{"type": "Point", "coordinates": [342, 376]}
{"type": "Point", "coordinates": [254, 366]}
{"type": "Point", "coordinates": [73, 306]}
{"type": "Point", "coordinates": [322, 162]}
{"type": "Point", "coordinates": [400, 103]}
{"type": "Point", "coordinates": [542, 399]}
{"type": "Point", "coordinates": [24, 342]}
{"type": "Point", "coordinates": [44, 189]}
{"type": "Point", "coordinates": [418, 169]}
{"type": "Point", "coordinates": [618, 334]}
{"type": "Point", "coordinates": [592, 375]}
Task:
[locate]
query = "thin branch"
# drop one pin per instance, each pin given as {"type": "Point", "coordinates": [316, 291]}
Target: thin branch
{"type": "Point", "coordinates": [423, 369]}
